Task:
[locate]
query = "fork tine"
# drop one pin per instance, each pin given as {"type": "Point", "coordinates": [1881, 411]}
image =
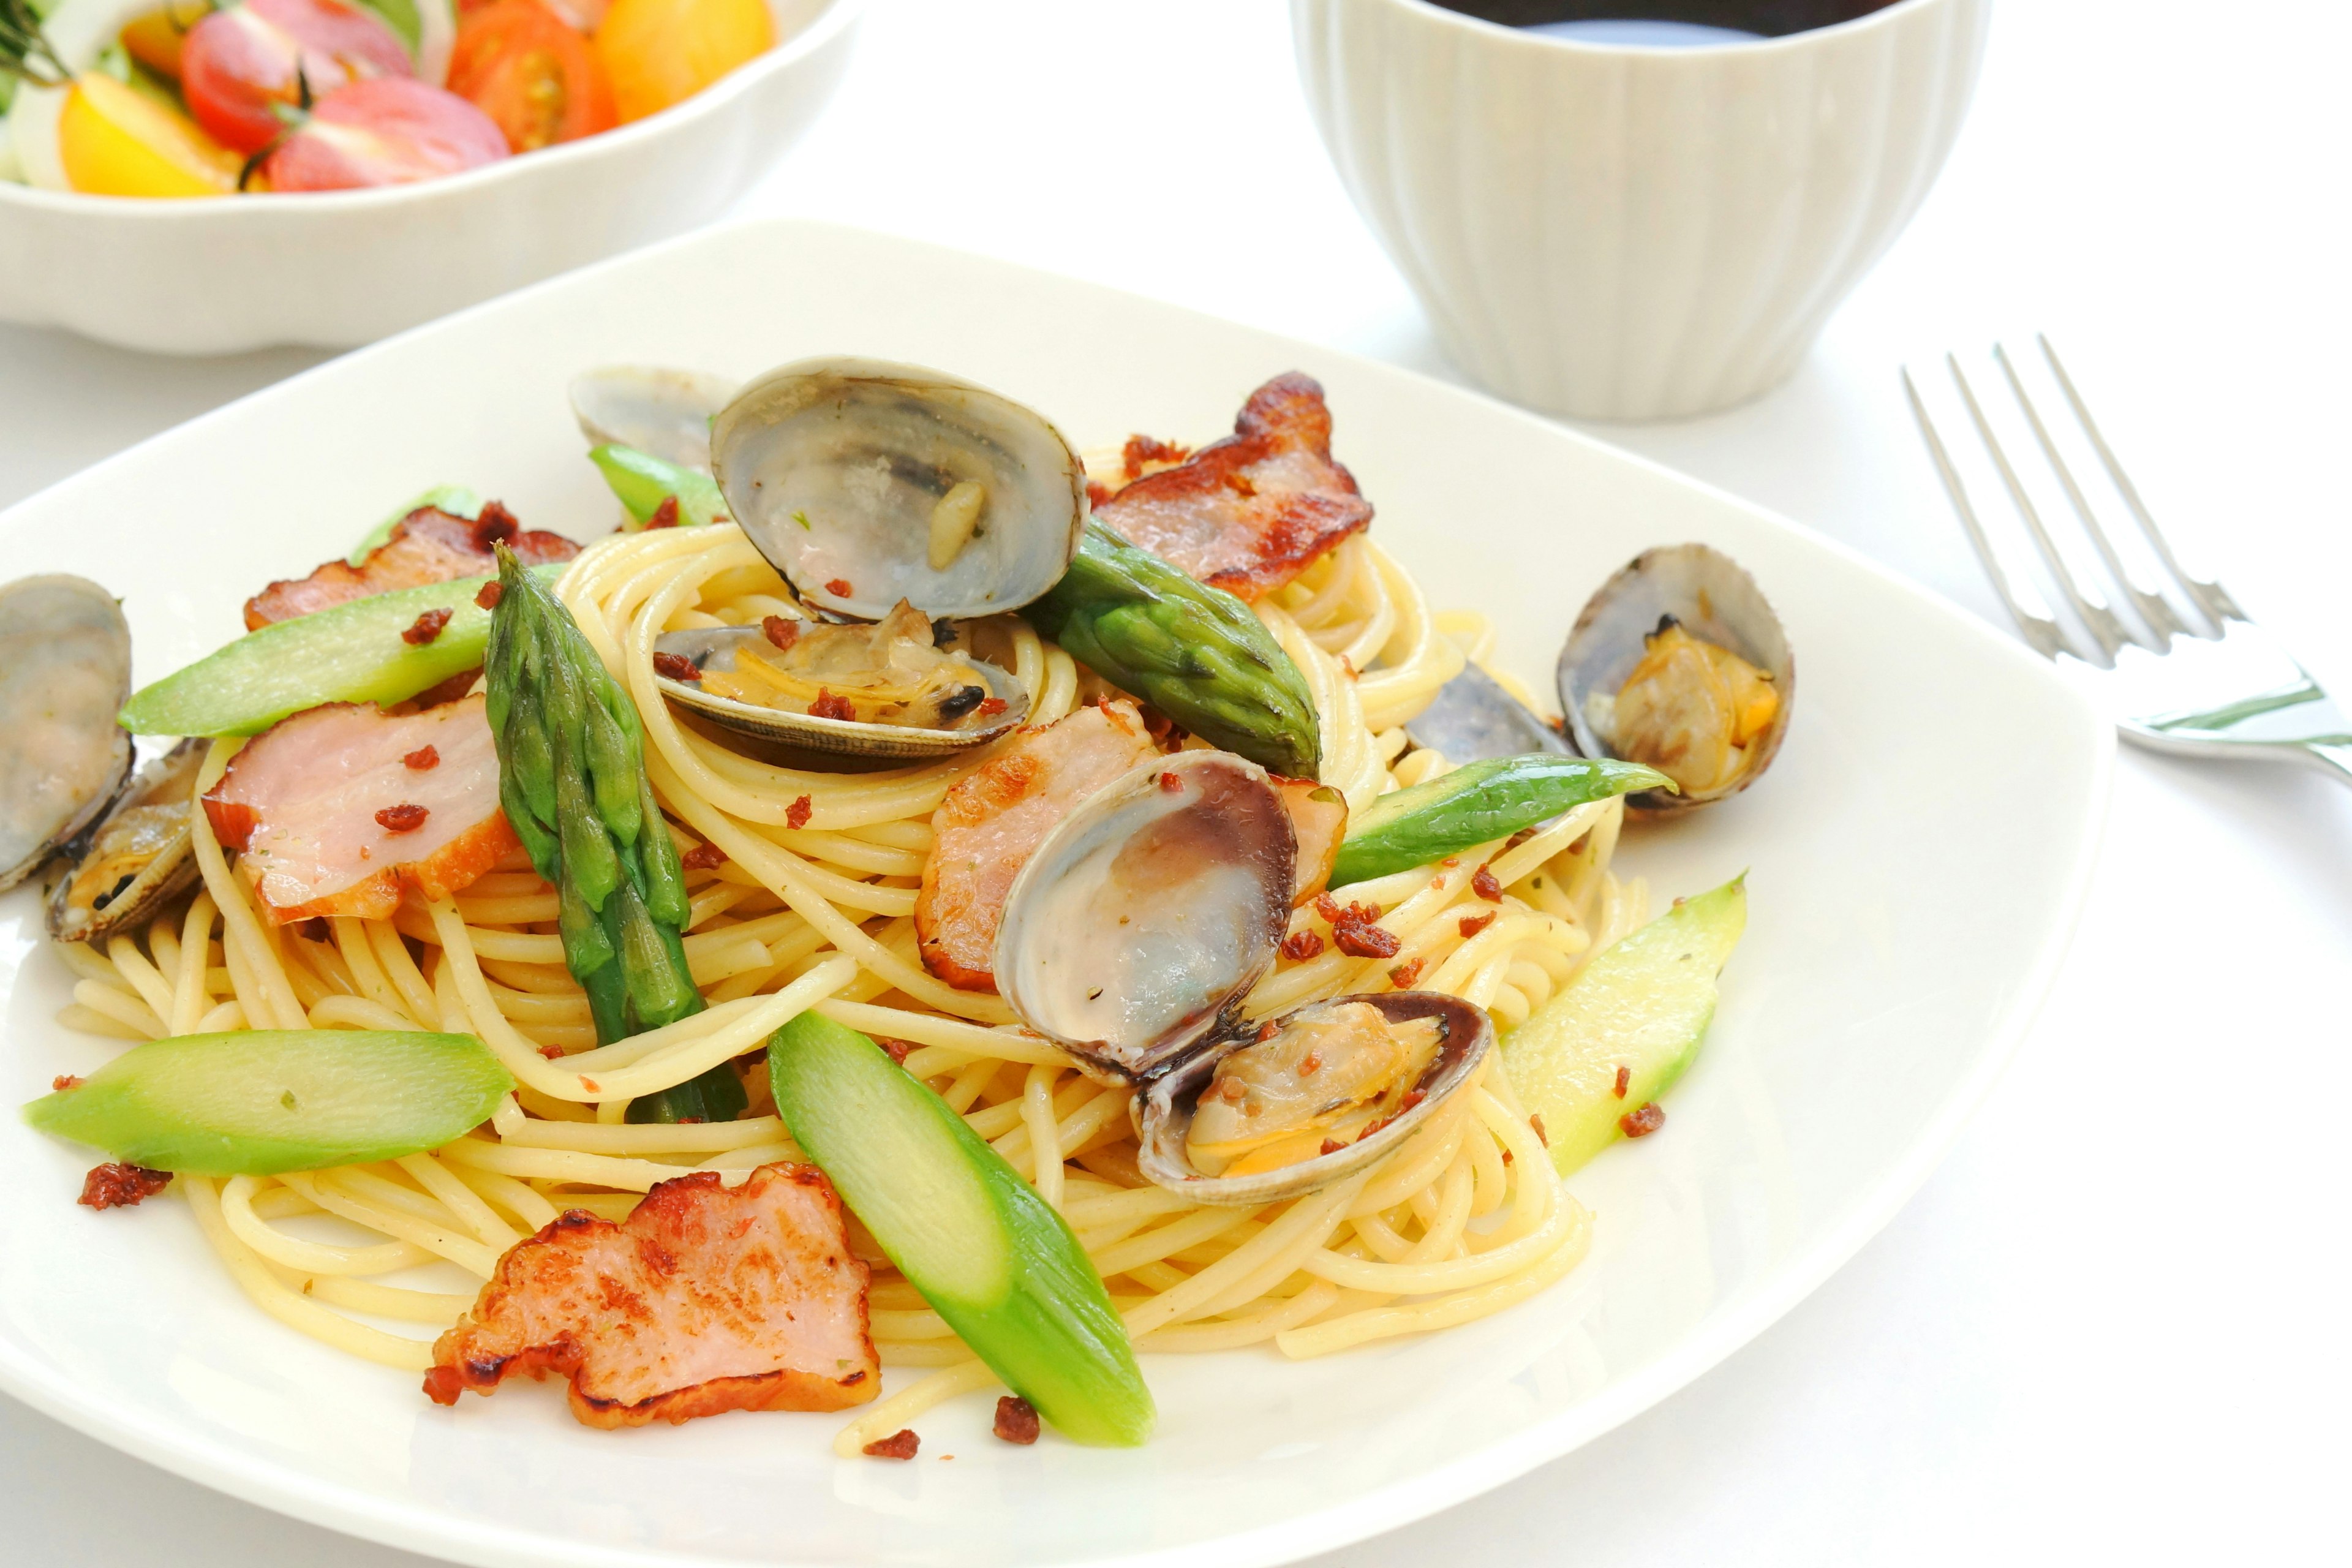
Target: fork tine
{"type": "Point", "coordinates": [2210, 597]}
{"type": "Point", "coordinates": [2152, 607]}
{"type": "Point", "coordinates": [2040, 635]}
{"type": "Point", "coordinates": [2097, 618]}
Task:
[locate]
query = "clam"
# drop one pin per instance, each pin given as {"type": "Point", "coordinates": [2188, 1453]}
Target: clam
{"type": "Point", "coordinates": [1129, 938]}
{"type": "Point", "coordinates": [665, 412]}
{"type": "Point", "coordinates": [1679, 662]}
{"type": "Point", "coordinates": [866, 483]}
{"type": "Point", "coordinates": [142, 853]}
{"type": "Point", "coordinates": [65, 672]}
{"type": "Point", "coordinates": [884, 691]}
{"type": "Point", "coordinates": [1473, 717]}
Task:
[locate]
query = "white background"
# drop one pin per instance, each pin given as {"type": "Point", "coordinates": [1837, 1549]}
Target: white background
{"type": "Point", "coordinates": [2112, 1327]}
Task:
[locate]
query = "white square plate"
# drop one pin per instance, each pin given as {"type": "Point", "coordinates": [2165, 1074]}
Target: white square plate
{"type": "Point", "coordinates": [1917, 858]}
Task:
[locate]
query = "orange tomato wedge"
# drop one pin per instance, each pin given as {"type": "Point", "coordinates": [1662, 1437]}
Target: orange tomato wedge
{"type": "Point", "coordinates": [154, 39]}
{"type": "Point", "coordinates": [116, 140]}
{"type": "Point", "coordinates": [660, 52]}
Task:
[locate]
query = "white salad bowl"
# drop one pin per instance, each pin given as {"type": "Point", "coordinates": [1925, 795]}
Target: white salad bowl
{"type": "Point", "coordinates": [335, 269]}
{"type": "Point", "coordinates": [1915, 860]}
{"type": "Point", "coordinates": [1622, 232]}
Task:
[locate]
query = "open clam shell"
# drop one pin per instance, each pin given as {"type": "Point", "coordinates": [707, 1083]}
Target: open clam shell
{"type": "Point", "coordinates": [65, 672]}
{"type": "Point", "coordinates": [838, 471]}
{"type": "Point", "coordinates": [1713, 598]}
{"type": "Point", "coordinates": [1170, 1100]}
{"type": "Point", "coordinates": [1473, 717]}
{"type": "Point", "coordinates": [142, 853]}
{"type": "Point", "coordinates": [714, 648]}
{"type": "Point", "coordinates": [1148, 911]}
{"type": "Point", "coordinates": [665, 412]}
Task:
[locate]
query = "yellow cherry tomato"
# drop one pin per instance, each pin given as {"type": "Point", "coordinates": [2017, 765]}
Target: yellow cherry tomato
{"type": "Point", "coordinates": [154, 39]}
{"type": "Point", "coordinates": [660, 52]}
{"type": "Point", "coordinates": [116, 140]}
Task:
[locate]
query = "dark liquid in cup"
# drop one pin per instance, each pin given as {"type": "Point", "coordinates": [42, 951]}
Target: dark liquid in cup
{"type": "Point", "coordinates": [1667, 21]}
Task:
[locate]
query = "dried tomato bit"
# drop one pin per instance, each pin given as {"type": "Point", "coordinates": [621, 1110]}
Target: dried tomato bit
{"type": "Point", "coordinates": [1143, 449]}
{"type": "Point", "coordinates": [1472, 925]}
{"type": "Point", "coordinates": [1016, 1419]}
{"type": "Point", "coordinates": [1536, 1122]}
{"type": "Point", "coordinates": [405, 817]}
{"type": "Point", "coordinates": [828, 706]}
{"type": "Point", "coordinates": [665, 515]}
{"type": "Point", "coordinates": [315, 928]}
{"type": "Point", "coordinates": [1327, 907]}
{"type": "Point", "coordinates": [899, 1444]}
{"type": "Point", "coordinates": [64, 1081]}
{"type": "Point", "coordinates": [1483, 884]}
{"type": "Point", "coordinates": [797, 814]}
{"type": "Point", "coordinates": [113, 1185]}
{"type": "Point", "coordinates": [1360, 938]}
{"type": "Point", "coordinates": [422, 759]}
{"type": "Point", "coordinates": [840, 589]}
{"type": "Point", "coordinates": [1642, 1123]}
{"type": "Point", "coordinates": [991, 707]}
{"type": "Point", "coordinates": [780, 631]}
{"type": "Point", "coordinates": [493, 525]}
{"type": "Point", "coordinates": [1624, 1081]}
{"type": "Point", "coordinates": [703, 857]}
{"type": "Point", "coordinates": [492, 592]}
{"type": "Point", "coordinates": [1171, 783]}
{"type": "Point", "coordinates": [1301, 945]}
{"type": "Point", "coordinates": [1405, 974]}
{"type": "Point", "coordinates": [425, 627]}
{"type": "Point", "coordinates": [676, 667]}
{"type": "Point", "coordinates": [553, 1053]}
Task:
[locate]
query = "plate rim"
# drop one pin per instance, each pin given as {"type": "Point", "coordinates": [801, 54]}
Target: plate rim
{"type": "Point", "coordinates": [348, 1510]}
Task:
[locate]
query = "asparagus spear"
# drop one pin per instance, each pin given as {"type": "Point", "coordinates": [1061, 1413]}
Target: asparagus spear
{"type": "Point", "coordinates": [571, 777]}
{"type": "Point", "coordinates": [1194, 652]}
{"type": "Point", "coordinates": [644, 481]}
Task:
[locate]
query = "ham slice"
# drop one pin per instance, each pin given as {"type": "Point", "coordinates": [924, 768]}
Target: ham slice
{"type": "Point", "coordinates": [997, 814]}
{"type": "Point", "coordinates": [706, 1299]}
{"type": "Point", "coordinates": [1248, 513]}
{"type": "Point", "coordinates": [317, 804]}
{"type": "Point", "coordinates": [428, 545]}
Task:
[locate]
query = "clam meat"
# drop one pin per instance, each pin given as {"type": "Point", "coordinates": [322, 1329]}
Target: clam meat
{"type": "Point", "coordinates": [665, 412]}
{"type": "Point", "coordinates": [141, 855]}
{"type": "Point", "coordinates": [865, 482]}
{"type": "Point", "coordinates": [65, 672]}
{"type": "Point", "coordinates": [1679, 662]}
{"type": "Point", "coordinates": [885, 689]}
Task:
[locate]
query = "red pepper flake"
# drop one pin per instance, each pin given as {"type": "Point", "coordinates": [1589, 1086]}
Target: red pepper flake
{"type": "Point", "coordinates": [492, 592]}
{"type": "Point", "coordinates": [899, 1050]}
{"type": "Point", "coordinates": [495, 525]}
{"type": "Point", "coordinates": [553, 1053]}
{"type": "Point", "coordinates": [1521, 836]}
{"type": "Point", "coordinates": [899, 1444]}
{"type": "Point", "coordinates": [1327, 907]}
{"type": "Point", "coordinates": [780, 631]}
{"type": "Point", "coordinates": [1642, 1123]}
{"type": "Point", "coordinates": [425, 627]}
{"type": "Point", "coordinates": [665, 515]}
{"type": "Point", "coordinates": [1473, 924]}
{"type": "Point", "coordinates": [840, 589]}
{"type": "Point", "coordinates": [1016, 1419]}
{"type": "Point", "coordinates": [424, 759]}
{"type": "Point", "coordinates": [1625, 1083]}
{"type": "Point", "coordinates": [1360, 939]}
{"type": "Point", "coordinates": [65, 1080]}
{"type": "Point", "coordinates": [591, 1085]}
{"type": "Point", "coordinates": [991, 707]}
{"type": "Point", "coordinates": [797, 814]}
{"type": "Point", "coordinates": [1485, 887]}
{"type": "Point", "coordinates": [1171, 783]}
{"type": "Point", "coordinates": [1331, 1146]}
{"type": "Point", "coordinates": [1536, 1122]}
{"type": "Point", "coordinates": [676, 667]}
{"type": "Point", "coordinates": [1507, 1156]}
{"type": "Point", "coordinates": [1405, 974]}
{"type": "Point", "coordinates": [703, 857]}
{"type": "Point", "coordinates": [119, 1186]}
{"type": "Point", "coordinates": [315, 928]}
{"type": "Point", "coordinates": [406, 817]}
{"type": "Point", "coordinates": [1300, 946]}
{"type": "Point", "coordinates": [828, 706]}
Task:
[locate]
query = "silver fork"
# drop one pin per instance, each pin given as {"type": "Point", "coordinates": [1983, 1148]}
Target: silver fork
{"type": "Point", "coordinates": [2209, 685]}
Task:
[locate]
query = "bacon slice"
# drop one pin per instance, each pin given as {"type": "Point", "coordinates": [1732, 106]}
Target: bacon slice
{"type": "Point", "coordinates": [1318, 814]}
{"type": "Point", "coordinates": [997, 814]}
{"type": "Point", "coordinates": [1248, 513]}
{"type": "Point", "coordinates": [705, 1299]}
{"type": "Point", "coordinates": [311, 799]}
{"type": "Point", "coordinates": [428, 545]}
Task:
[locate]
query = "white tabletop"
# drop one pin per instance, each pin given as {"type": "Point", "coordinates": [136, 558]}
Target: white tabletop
{"type": "Point", "coordinates": [2110, 1327]}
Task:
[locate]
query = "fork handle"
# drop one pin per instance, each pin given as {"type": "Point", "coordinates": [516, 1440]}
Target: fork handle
{"type": "Point", "coordinates": [2335, 760]}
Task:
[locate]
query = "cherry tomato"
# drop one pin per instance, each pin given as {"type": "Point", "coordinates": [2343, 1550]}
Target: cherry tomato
{"type": "Point", "coordinates": [116, 140]}
{"type": "Point", "coordinates": [387, 132]}
{"type": "Point", "coordinates": [523, 66]}
{"type": "Point", "coordinates": [239, 63]}
{"type": "Point", "coordinates": [660, 52]}
{"type": "Point", "coordinates": [155, 39]}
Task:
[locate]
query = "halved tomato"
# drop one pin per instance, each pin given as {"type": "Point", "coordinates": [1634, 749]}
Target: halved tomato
{"type": "Point", "coordinates": [239, 64]}
{"type": "Point", "coordinates": [532, 73]}
{"type": "Point", "coordinates": [116, 140]}
{"type": "Point", "coordinates": [388, 131]}
{"type": "Point", "coordinates": [660, 52]}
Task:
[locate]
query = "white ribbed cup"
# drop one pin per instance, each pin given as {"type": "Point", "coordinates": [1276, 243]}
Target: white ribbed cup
{"type": "Point", "coordinates": [1616, 233]}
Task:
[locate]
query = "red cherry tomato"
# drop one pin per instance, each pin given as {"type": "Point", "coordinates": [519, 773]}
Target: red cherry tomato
{"type": "Point", "coordinates": [387, 132]}
{"type": "Point", "coordinates": [240, 61]}
{"type": "Point", "coordinates": [525, 68]}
